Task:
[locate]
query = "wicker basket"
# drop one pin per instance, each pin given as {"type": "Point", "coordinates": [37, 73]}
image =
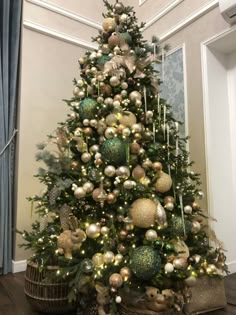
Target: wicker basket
{"type": "Point", "coordinates": [43, 296]}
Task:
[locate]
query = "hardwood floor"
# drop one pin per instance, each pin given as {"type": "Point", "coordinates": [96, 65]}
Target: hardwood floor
{"type": "Point", "coordinates": [13, 301]}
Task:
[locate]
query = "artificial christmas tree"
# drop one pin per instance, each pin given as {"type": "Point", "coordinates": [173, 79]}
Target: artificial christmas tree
{"type": "Point", "coordinates": [119, 216]}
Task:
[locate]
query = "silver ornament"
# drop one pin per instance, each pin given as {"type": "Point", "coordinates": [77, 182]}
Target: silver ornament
{"type": "Point", "coordinates": [188, 209]}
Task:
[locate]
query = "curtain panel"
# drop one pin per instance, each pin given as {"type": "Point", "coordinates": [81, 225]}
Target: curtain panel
{"type": "Point", "coordinates": [10, 25]}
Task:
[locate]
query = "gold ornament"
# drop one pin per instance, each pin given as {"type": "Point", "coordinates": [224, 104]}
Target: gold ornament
{"type": "Point", "coordinates": [111, 198]}
{"type": "Point", "coordinates": [157, 166]}
{"type": "Point", "coordinates": [108, 257]}
{"type": "Point", "coordinates": [161, 216]}
{"type": "Point", "coordinates": [110, 171]}
{"type": "Point", "coordinates": [168, 199]}
{"type": "Point", "coordinates": [114, 81]}
{"type": "Point", "coordinates": [138, 172]}
{"type": "Point", "coordinates": [113, 40]}
{"type": "Point", "coordinates": [98, 260]}
{"type": "Point", "coordinates": [135, 95]}
{"type": "Point", "coordinates": [111, 120]}
{"type": "Point", "coordinates": [180, 263]}
{"type": "Point", "coordinates": [125, 273]}
{"type": "Point", "coordinates": [93, 231]}
{"type": "Point", "coordinates": [118, 259]}
{"type": "Point", "coordinates": [134, 148]}
{"type": "Point", "coordinates": [163, 183]}
{"type": "Point", "coordinates": [128, 119]}
{"type": "Point", "coordinates": [116, 280]}
{"type": "Point", "coordinates": [109, 24]}
{"type": "Point", "coordinates": [151, 235]}
{"type": "Point", "coordinates": [79, 192]}
{"type": "Point", "coordinates": [143, 212]}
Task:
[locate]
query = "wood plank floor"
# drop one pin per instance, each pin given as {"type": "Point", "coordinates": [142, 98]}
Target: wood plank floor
{"type": "Point", "coordinates": [13, 301]}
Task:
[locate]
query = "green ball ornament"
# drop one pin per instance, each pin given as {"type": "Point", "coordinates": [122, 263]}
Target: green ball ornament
{"type": "Point", "coordinates": [103, 59]}
{"type": "Point", "coordinates": [177, 227]}
{"type": "Point", "coordinates": [87, 108]}
{"type": "Point", "coordinates": [126, 37]}
{"type": "Point", "coordinates": [145, 262]}
{"type": "Point", "coordinates": [114, 151]}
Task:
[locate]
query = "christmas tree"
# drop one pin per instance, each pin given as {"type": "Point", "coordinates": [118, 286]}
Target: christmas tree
{"type": "Point", "coordinates": [119, 215]}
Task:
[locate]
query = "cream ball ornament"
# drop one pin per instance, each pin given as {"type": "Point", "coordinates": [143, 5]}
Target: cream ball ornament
{"type": "Point", "coordinates": [135, 95]}
{"type": "Point", "coordinates": [188, 209]}
{"type": "Point", "coordinates": [128, 119]}
{"type": "Point", "coordinates": [114, 81]}
{"type": "Point", "coordinates": [98, 259]}
{"type": "Point", "coordinates": [88, 187]}
{"type": "Point", "coordinates": [180, 263]}
{"type": "Point", "coordinates": [123, 172]}
{"type": "Point", "coordinates": [169, 268]}
{"type": "Point", "coordinates": [163, 183]}
{"type": "Point", "coordinates": [79, 192]}
{"type": "Point", "coordinates": [110, 132]}
{"type": "Point", "coordinates": [143, 212]}
{"type": "Point", "coordinates": [93, 231]}
{"type": "Point", "coordinates": [108, 257]}
{"type": "Point", "coordinates": [111, 120]}
{"type": "Point", "coordinates": [125, 273]}
{"type": "Point", "coordinates": [109, 24]}
{"type": "Point", "coordinates": [110, 171]}
{"type": "Point", "coordinates": [86, 157]}
{"type": "Point", "coordinates": [151, 235]}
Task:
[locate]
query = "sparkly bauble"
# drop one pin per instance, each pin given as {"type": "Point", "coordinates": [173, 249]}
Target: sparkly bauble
{"type": "Point", "coordinates": [111, 120]}
{"type": "Point", "coordinates": [93, 231]}
{"type": "Point", "coordinates": [145, 262]}
{"type": "Point", "coordinates": [188, 209]}
{"type": "Point", "coordinates": [196, 227]}
{"type": "Point", "coordinates": [128, 119]}
{"type": "Point", "coordinates": [169, 267]}
{"type": "Point", "coordinates": [115, 280]}
{"type": "Point", "coordinates": [126, 37]}
{"type": "Point", "coordinates": [119, 8]}
{"type": "Point", "coordinates": [86, 157]}
{"type": "Point", "coordinates": [88, 187]}
{"type": "Point", "coordinates": [113, 40]}
{"type": "Point", "coordinates": [118, 259]}
{"type": "Point", "coordinates": [125, 273]}
{"type": "Point", "coordinates": [143, 212]}
{"type": "Point", "coordinates": [123, 172]}
{"type": "Point", "coordinates": [163, 183]}
{"type": "Point", "coordinates": [79, 192]}
{"type": "Point", "coordinates": [109, 24]}
{"type": "Point", "coordinates": [108, 257]}
{"type": "Point", "coordinates": [151, 235]}
{"type": "Point", "coordinates": [98, 260]}
{"type": "Point", "coordinates": [110, 132]}
{"type": "Point", "coordinates": [177, 226]}
{"type": "Point", "coordinates": [157, 166]}
{"type": "Point", "coordinates": [135, 95]}
{"type": "Point", "coordinates": [114, 151]}
{"type": "Point", "coordinates": [87, 108]}
{"type": "Point", "coordinates": [180, 263]}
{"type": "Point", "coordinates": [181, 248]}
{"type": "Point", "coordinates": [114, 81]}
{"type": "Point", "coordinates": [110, 171]}
{"type": "Point", "coordinates": [134, 148]}
{"type": "Point", "coordinates": [87, 265]}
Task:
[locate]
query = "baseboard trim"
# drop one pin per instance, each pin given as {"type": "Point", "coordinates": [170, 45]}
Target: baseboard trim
{"type": "Point", "coordinates": [232, 266]}
{"type": "Point", "coordinates": [18, 266]}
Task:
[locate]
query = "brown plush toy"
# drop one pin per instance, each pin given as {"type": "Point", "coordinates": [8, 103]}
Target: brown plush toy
{"type": "Point", "coordinates": [103, 298]}
{"type": "Point", "coordinates": [69, 241]}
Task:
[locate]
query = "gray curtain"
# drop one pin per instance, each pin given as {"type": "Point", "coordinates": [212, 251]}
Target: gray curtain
{"type": "Point", "coordinates": [10, 24]}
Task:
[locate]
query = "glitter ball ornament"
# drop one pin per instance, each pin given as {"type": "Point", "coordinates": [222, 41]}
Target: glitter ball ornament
{"type": "Point", "coordinates": [87, 108]}
{"type": "Point", "coordinates": [128, 119]}
{"type": "Point", "coordinates": [114, 151]}
{"type": "Point", "coordinates": [143, 212]}
{"type": "Point", "coordinates": [177, 226]}
{"type": "Point", "coordinates": [109, 24]}
{"type": "Point", "coordinates": [145, 262]}
{"type": "Point", "coordinates": [163, 183]}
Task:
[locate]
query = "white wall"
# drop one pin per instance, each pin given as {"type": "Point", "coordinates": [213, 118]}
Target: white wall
{"type": "Point", "coordinates": [219, 68]}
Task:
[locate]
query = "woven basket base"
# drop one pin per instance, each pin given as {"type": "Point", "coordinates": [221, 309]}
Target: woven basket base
{"type": "Point", "coordinates": [124, 310]}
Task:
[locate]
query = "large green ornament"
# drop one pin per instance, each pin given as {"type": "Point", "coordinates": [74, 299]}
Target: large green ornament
{"type": "Point", "coordinates": [145, 262]}
{"type": "Point", "coordinates": [177, 226]}
{"type": "Point", "coordinates": [114, 151]}
{"type": "Point", "coordinates": [126, 37]}
{"type": "Point", "coordinates": [87, 108]}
